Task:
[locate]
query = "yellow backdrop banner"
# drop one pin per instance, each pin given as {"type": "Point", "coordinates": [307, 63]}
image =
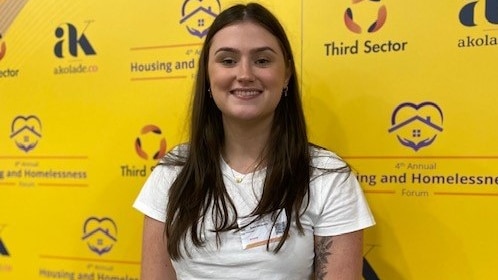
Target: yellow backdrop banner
{"type": "Point", "coordinates": [92, 93]}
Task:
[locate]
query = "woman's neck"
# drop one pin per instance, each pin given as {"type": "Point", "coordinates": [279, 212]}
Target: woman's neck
{"type": "Point", "coordinates": [245, 144]}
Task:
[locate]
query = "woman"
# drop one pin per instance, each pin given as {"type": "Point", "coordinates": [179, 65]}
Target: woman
{"type": "Point", "coordinates": [248, 197]}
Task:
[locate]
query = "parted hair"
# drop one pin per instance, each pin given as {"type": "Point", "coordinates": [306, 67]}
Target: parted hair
{"type": "Point", "coordinates": [198, 190]}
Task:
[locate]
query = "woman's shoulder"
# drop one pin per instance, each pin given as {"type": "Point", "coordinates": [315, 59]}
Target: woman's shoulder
{"type": "Point", "coordinates": [322, 158]}
{"type": "Point", "coordinates": [176, 156]}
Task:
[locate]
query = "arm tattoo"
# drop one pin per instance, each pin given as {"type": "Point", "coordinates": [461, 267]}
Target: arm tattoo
{"type": "Point", "coordinates": [322, 246]}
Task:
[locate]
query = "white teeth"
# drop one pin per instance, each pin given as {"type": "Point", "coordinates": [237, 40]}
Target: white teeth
{"type": "Point", "coordinates": [245, 93]}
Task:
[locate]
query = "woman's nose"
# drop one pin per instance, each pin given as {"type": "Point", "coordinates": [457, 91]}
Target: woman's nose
{"type": "Point", "coordinates": [245, 72]}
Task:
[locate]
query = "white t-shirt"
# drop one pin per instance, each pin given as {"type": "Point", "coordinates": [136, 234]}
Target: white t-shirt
{"type": "Point", "coordinates": [337, 205]}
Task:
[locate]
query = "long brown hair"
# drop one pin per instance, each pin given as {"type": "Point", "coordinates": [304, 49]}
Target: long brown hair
{"type": "Point", "coordinates": [199, 190]}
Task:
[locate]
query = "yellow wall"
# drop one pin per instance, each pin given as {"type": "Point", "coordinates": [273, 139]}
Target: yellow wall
{"type": "Point", "coordinates": [75, 147]}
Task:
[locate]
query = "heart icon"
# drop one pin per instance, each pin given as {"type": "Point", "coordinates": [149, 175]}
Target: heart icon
{"type": "Point", "coordinates": [100, 234]}
{"type": "Point", "coordinates": [26, 131]}
{"type": "Point", "coordinates": [417, 125]}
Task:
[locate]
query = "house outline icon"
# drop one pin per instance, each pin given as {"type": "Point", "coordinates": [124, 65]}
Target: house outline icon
{"type": "Point", "coordinates": [427, 121]}
{"type": "Point", "coordinates": [87, 234]}
{"type": "Point", "coordinates": [199, 12]}
{"type": "Point", "coordinates": [200, 9]}
{"type": "Point", "coordinates": [26, 119]}
{"type": "Point", "coordinates": [26, 137]}
{"type": "Point", "coordinates": [31, 129]}
{"type": "Point", "coordinates": [413, 123]}
{"type": "Point", "coordinates": [105, 232]}
{"type": "Point", "coordinates": [94, 236]}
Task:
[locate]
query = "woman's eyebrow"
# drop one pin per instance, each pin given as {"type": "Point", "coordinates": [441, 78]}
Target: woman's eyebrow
{"type": "Point", "coordinates": [262, 49]}
{"type": "Point", "coordinates": [226, 49]}
{"type": "Point", "coordinates": [233, 50]}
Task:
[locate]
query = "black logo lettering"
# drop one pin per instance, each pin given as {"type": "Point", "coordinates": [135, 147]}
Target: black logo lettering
{"type": "Point", "coordinates": [70, 39]}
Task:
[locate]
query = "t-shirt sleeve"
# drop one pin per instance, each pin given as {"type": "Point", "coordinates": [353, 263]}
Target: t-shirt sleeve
{"type": "Point", "coordinates": [153, 196]}
{"type": "Point", "coordinates": [342, 206]}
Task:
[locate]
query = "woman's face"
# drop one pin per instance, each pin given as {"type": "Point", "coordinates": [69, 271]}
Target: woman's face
{"type": "Point", "coordinates": [247, 72]}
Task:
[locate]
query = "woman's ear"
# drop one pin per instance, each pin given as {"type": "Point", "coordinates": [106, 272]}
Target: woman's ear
{"type": "Point", "coordinates": [288, 73]}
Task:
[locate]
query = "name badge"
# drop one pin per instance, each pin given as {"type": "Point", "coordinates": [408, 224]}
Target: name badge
{"type": "Point", "coordinates": [257, 233]}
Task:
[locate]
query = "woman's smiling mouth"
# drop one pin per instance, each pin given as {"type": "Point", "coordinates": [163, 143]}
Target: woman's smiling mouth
{"type": "Point", "coordinates": [245, 93]}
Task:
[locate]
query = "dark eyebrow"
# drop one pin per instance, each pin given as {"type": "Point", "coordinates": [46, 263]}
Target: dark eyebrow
{"type": "Point", "coordinates": [262, 49]}
{"type": "Point", "coordinates": [227, 49]}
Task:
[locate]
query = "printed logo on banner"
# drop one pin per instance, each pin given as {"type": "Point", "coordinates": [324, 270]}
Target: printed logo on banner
{"type": "Point", "coordinates": [72, 43]}
{"type": "Point", "coordinates": [26, 132]}
{"type": "Point", "coordinates": [467, 14]}
{"type": "Point", "coordinates": [150, 145]}
{"type": "Point", "coordinates": [150, 142]}
{"type": "Point", "coordinates": [3, 47]}
{"type": "Point", "coordinates": [417, 125]}
{"type": "Point", "coordinates": [3, 249]}
{"type": "Point", "coordinates": [100, 234]}
{"type": "Point", "coordinates": [365, 17]}
{"type": "Point", "coordinates": [373, 24]}
{"type": "Point", "coordinates": [482, 14]}
{"type": "Point", "coordinates": [198, 15]}
{"type": "Point", "coordinates": [9, 72]}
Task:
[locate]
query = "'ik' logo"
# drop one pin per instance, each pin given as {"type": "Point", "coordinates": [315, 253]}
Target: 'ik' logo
{"type": "Point", "coordinates": [70, 40]}
{"type": "Point", "coordinates": [467, 13]}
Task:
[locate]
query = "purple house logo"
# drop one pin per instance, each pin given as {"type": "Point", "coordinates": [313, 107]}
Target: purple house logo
{"type": "Point", "coordinates": [26, 132]}
{"type": "Point", "coordinates": [417, 125]}
{"type": "Point", "coordinates": [100, 234]}
{"type": "Point", "coordinates": [198, 15]}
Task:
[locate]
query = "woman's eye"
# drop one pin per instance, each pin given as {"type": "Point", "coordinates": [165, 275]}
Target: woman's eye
{"type": "Point", "coordinates": [228, 61]}
{"type": "Point", "coordinates": [262, 61]}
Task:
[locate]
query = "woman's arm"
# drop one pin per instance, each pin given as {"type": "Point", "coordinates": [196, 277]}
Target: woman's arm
{"type": "Point", "coordinates": [339, 257]}
{"type": "Point", "coordinates": [156, 263]}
